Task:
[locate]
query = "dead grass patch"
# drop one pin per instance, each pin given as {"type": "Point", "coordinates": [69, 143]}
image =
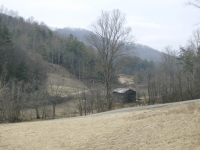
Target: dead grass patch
{"type": "Point", "coordinates": [126, 79]}
{"type": "Point", "coordinates": [173, 127]}
{"type": "Point", "coordinates": [63, 110]}
{"type": "Point", "coordinates": [59, 77]}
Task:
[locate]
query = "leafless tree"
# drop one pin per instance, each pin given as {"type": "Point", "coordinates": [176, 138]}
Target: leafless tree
{"type": "Point", "coordinates": [112, 39]}
{"type": "Point", "coordinates": [195, 3]}
{"type": "Point", "coordinates": [55, 96]}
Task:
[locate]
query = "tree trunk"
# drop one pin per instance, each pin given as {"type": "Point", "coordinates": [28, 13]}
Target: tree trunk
{"type": "Point", "coordinates": [37, 113]}
{"type": "Point", "coordinates": [43, 112]}
{"type": "Point", "coordinates": [54, 110]}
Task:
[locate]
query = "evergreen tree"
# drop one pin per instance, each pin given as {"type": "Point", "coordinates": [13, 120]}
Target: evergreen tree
{"type": "Point", "coordinates": [6, 53]}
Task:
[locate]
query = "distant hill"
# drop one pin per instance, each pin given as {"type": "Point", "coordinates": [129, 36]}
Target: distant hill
{"type": "Point", "coordinates": [142, 51]}
{"type": "Point", "coordinates": [148, 53]}
{"type": "Point", "coordinates": [77, 32]}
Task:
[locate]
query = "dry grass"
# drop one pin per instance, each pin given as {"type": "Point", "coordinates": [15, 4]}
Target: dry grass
{"type": "Point", "coordinates": [60, 82]}
{"type": "Point", "coordinates": [63, 110]}
{"type": "Point", "coordinates": [60, 79]}
{"type": "Point", "coordinates": [126, 79]}
{"type": "Point", "coordinates": [167, 128]}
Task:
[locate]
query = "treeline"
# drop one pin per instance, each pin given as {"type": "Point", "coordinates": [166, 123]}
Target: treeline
{"type": "Point", "coordinates": [178, 76]}
{"type": "Point", "coordinates": [33, 37]}
{"type": "Point", "coordinates": [132, 64]}
{"type": "Point", "coordinates": [81, 60]}
{"type": "Point", "coordinates": [22, 72]}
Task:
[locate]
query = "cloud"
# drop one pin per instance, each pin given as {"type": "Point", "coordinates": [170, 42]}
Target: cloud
{"type": "Point", "coordinates": [139, 21]}
{"type": "Point", "coordinates": [155, 23]}
{"type": "Point", "coordinates": [60, 5]}
{"type": "Point", "coordinates": [149, 25]}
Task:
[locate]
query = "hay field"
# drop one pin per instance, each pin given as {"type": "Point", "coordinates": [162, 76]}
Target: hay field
{"type": "Point", "coordinates": [174, 127]}
{"type": "Point", "coordinates": [62, 80]}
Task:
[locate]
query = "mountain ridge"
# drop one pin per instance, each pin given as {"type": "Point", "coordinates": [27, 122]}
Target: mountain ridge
{"type": "Point", "coordinates": [140, 50]}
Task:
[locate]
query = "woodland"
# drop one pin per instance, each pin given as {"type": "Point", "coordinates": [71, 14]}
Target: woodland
{"type": "Point", "coordinates": [28, 49]}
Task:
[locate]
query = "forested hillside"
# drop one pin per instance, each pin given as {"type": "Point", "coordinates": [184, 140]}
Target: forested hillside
{"type": "Point", "coordinates": [79, 33]}
{"type": "Point", "coordinates": [148, 53]}
{"type": "Point", "coordinates": [35, 39]}
{"type": "Point", "coordinates": [27, 49]}
{"type": "Point", "coordinates": [140, 50]}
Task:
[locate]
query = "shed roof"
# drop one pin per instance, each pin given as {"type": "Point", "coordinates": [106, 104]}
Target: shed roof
{"type": "Point", "coordinates": [121, 90]}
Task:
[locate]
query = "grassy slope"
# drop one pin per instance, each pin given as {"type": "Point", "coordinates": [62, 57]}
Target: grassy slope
{"type": "Point", "coordinates": [59, 76]}
{"type": "Point", "coordinates": [173, 127]}
{"type": "Point", "coordinates": [66, 83]}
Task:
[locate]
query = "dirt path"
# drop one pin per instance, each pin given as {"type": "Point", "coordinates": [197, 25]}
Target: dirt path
{"type": "Point", "coordinates": [131, 109]}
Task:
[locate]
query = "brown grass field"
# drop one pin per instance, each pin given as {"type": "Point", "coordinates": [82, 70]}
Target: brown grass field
{"type": "Point", "coordinates": [175, 127]}
{"type": "Point", "coordinates": [63, 80]}
{"type": "Point", "coordinates": [126, 79]}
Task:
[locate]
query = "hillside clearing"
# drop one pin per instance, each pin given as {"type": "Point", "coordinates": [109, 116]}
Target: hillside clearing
{"type": "Point", "coordinates": [172, 127]}
{"type": "Point", "coordinates": [62, 80]}
{"type": "Point", "coordinates": [126, 79]}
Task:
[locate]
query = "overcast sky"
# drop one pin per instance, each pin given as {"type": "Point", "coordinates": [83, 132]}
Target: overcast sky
{"type": "Point", "coordinates": [156, 23]}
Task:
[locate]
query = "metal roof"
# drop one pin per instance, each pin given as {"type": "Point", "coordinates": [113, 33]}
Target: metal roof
{"type": "Point", "coordinates": [120, 90]}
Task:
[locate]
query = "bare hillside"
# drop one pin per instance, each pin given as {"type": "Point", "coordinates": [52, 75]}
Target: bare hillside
{"type": "Point", "coordinates": [172, 127]}
{"type": "Point", "coordinates": [59, 76]}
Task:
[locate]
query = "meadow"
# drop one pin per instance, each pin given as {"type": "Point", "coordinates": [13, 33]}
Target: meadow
{"type": "Point", "coordinates": [166, 128]}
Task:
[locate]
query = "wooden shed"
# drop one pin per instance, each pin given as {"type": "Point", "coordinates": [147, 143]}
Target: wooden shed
{"type": "Point", "coordinates": [125, 95]}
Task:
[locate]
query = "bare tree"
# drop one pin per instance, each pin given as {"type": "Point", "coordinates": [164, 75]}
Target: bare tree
{"type": "Point", "coordinates": [112, 39]}
{"type": "Point", "coordinates": [55, 96]}
{"type": "Point", "coordinates": [195, 3]}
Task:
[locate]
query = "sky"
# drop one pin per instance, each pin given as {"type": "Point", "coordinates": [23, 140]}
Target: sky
{"type": "Point", "coordinates": [155, 23]}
